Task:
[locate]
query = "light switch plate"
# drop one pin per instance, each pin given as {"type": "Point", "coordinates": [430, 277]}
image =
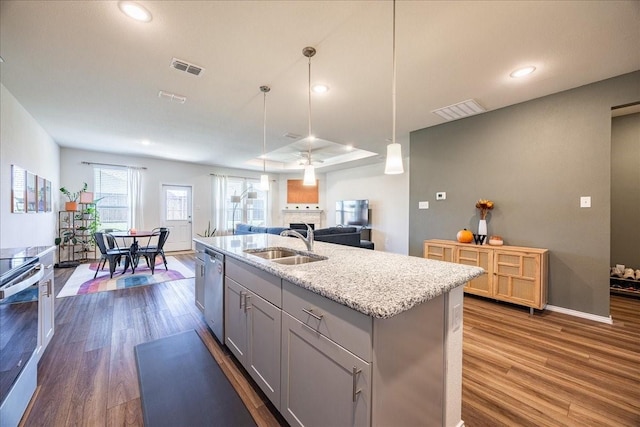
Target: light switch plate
{"type": "Point", "coordinates": [423, 205]}
{"type": "Point", "coordinates": [585, 201]}
{"type": "Point", "coordinates": [441, 195]}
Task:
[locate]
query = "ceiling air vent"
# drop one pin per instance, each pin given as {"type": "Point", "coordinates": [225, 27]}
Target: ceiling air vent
{"type": "Point", "coordinates": [291, 135]}
{"type": "Point", "coordinates": [460, 110]}
{"type": "Point", "coordinates": [187, 67]}
{"type": "Point", "coordinates": [172, 97]}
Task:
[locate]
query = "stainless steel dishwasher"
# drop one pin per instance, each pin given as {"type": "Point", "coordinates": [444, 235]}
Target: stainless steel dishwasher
{"type": "Point", "coordinates": [214, 292]}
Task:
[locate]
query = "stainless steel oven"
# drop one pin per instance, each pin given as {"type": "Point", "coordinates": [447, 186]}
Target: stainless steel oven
{"type": "Point", "coordinates": [19, 279]}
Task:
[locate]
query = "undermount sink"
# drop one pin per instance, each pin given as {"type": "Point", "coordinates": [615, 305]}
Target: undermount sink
{"type": "Point", "coordinates": [271, 253]}
{"type": "Point", "coordinates": [284, 256]}
{"type": "Point", "coordinates": [297, 259]}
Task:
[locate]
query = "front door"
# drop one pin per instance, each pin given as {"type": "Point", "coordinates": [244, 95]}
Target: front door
{"type": "Point", "coordinates": [176, 200]}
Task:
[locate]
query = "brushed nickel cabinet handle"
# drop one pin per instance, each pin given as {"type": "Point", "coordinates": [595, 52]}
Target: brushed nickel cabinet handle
{"type": "Point", "coordinates": [310, 312]}
{"type": "Point", "coordinates": [246, 305]}
{"type": "Point", "coordinates": [354, 374]}
{"type": "Point", "coordinates": [241, 298]}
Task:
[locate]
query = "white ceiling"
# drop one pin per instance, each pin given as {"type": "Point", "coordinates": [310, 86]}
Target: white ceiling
{"type": "Point", "coordinates": [91, 76]}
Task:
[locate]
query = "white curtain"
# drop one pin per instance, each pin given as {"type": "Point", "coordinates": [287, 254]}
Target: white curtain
{"type": "Point", "coordinates": [219, 186]}
{"type": "Point", "coordinates": [135, 198]}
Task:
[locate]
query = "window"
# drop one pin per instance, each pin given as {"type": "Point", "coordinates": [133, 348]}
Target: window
{"type": "Point", "coordinates": [247, 210]}
{"type": "Point", "coordinates": [111, 187]}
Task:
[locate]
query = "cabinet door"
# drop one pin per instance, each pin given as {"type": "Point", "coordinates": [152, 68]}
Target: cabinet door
{"type": "Point", "coordinates": [477, 257]}
{"type": "Point", "coordinates": [46, 313]}
{"type": "Point", "coordinates": [235, 318]}
{"type": "Point", "coordinates": [200, 284]}
{"type": "Point", "coordinates": [263, 349]}
{"type": "Point", "coordinates": [439, 251]}
{"type": "Point", "coordinates": [517, 278]}
{"type": "Point", "coordinates": [322, 383]}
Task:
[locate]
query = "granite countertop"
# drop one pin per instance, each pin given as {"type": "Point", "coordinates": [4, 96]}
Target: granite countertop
{"type": "Point", "coordinates": [26, 252]}
{"type": "Point", "coordinates": [378, 284]}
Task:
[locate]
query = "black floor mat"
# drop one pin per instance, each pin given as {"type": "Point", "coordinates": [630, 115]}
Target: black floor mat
{"type": "Point", "coordinates": [181, 384]}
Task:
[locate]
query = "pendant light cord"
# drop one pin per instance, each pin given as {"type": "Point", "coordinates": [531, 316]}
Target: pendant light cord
{"type": "Point", "coordinates": [264, 134]}
{"type": "Point", "coordinates": [393, 84]}
{"type": "Point", "coordinates": [309, 111]}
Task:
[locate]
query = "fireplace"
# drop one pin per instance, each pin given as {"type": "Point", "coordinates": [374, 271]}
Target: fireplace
{"type": "Point", "coordinates": [301, 226]}
{"type": "Point", "coordinates": [292, 217]}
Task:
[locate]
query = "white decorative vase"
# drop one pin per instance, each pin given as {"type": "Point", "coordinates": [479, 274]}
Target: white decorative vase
{"type": "Point", "coordinates": [482, 227]}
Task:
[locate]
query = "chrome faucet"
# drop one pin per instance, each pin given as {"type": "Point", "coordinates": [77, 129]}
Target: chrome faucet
{"type": "Point", "coordinates": [307, 241]}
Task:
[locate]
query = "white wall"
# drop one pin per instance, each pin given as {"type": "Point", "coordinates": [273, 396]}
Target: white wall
{"type": "Point", "coordinates": [25, 143]}
{"type": "Point", "coordinates": [158, 172]}
{"type": "Point", "coordinates": [388, 200]}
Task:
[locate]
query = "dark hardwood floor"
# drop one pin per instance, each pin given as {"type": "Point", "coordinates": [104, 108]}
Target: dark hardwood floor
{"type": "Point", "coordinates": [547, 370]}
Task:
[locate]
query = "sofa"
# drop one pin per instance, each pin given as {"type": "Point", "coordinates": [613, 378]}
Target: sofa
{"type": "Point", "coordinates": [254, 229]}
{"type": "Point", "coordinates": [349, 236]}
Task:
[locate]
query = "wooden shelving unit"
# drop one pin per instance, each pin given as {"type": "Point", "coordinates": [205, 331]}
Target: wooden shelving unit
{"type": "Point", "coordinates": [75, 225]}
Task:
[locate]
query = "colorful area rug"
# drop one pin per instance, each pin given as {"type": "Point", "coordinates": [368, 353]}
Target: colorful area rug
{"type": "Point", "coordinates": [82, 282]}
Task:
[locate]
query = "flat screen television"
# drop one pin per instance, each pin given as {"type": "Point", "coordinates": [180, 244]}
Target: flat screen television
{"type": "Point", "coordinates": [352, 212]}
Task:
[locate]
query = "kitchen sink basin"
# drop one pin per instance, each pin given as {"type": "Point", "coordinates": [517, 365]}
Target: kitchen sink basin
{"type": "Point", "coordinates": [297, 259]}
{"type": "Point", "coordinates": [272, 253]}
{"type": "Point", "coordinates": [284, 256]}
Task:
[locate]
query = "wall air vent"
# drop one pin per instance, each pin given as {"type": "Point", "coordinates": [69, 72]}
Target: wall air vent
{"type": "Point", "coordinates": [186, 67]}
{"type": "Point", "coordinates": [460, 110]}
{"type": "Point", "coordinates": [172, 97]}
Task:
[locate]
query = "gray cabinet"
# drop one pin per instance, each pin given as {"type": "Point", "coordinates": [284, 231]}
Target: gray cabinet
{"type": "Point", "coordinates": [46, 311]}
{"type": "Point", "coordinates": [322, 383]}
{"type": "Point", "coordinates": [253, 325]}
{"type": "Point", "coordinates": [199, 291]}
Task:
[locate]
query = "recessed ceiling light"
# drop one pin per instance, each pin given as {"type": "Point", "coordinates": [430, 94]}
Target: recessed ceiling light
{"type": "Point", "coordinates": [146, 142]}
{"type": "Point", "coordinates": [320, 88]}
{"type": "Point", "coordinates": [349, 147]}
{"type": "Point", "coordinates": [521, 72]}
{"type": "Point", "coordinates": [135, 11]}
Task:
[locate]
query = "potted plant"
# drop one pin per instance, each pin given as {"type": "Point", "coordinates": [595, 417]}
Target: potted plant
{"type": "Point", "coordinates": [72, 204]}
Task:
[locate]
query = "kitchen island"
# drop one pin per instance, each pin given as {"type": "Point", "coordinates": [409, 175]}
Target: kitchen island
{"type": "Point", "coordinates": [354, 337]}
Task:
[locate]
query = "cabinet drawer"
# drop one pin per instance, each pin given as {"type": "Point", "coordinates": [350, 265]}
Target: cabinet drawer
{"type": "Point", "coordinates": [262, 283]}
{"type": "Point", "coordinates": [347, 327]}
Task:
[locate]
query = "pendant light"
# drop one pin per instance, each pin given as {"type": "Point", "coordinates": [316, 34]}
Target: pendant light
{"type": "Point", "coordinates": [393, 164]}
{"type": "Point", "coordinates": [264, 178]}
{"type": "Point", "coordinates": [309, 170]}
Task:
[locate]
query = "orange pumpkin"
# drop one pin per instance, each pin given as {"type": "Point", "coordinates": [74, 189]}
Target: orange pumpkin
{"type": "Point", "coordinates": [464, 236]}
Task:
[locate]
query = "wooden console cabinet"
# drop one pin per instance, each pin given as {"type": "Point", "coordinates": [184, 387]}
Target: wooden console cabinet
{"type": "Point", "coordinates": [513, 274]}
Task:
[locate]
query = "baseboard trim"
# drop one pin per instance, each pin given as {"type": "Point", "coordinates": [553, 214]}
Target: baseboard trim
{"type": "Point", "coordinates": [581, 314]}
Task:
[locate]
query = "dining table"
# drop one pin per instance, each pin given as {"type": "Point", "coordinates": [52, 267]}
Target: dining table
{"type": "Point", "coordinates": [135, 235]}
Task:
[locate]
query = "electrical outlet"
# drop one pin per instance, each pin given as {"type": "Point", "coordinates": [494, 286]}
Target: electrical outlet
{"type": "Point", "coordinates": [441, 195]}
{"type": "Point", "coordinates": [585, 201]}
{"type": "Point", "coordinates": [423, 205]}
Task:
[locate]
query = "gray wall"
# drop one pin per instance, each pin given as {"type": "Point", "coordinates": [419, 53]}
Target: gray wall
{"type": "Point", "coordinates": [625, 191]}
{"type": "Point", "coordinates": [534, 160]}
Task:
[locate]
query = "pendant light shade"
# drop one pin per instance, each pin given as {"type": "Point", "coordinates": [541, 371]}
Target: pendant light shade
{"type": "Point", "coordinates": [309, 169]}
{"type": "Point", "coordinates": [264, 178]}
{"type": "Point", "coordinates": [309, 175]}
{"type": "Point", "coordinates": [393, 165]}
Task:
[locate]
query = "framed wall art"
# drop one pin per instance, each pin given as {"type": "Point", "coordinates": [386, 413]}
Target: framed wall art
{"type": "Point", "coordinates": [41, 194]}
{"type": "Point", "coordinates": [31, 193]}
{"type": "Point", "coordinates": [18, 189]}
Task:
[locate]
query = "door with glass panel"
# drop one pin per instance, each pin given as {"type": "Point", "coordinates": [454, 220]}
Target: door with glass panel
{"type": "Point", "coordinates": [176, 215]}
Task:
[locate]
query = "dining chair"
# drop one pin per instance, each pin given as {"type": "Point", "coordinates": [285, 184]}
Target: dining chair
{"type": "Point", "coordinates": [154, 241]}
{"type": "Point", "coordinates": [150, 252]}
{"type": "Point", "coordinates": [113, 255]}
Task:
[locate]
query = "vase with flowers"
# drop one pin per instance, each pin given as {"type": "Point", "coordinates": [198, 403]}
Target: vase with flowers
{"type": "Point", "coordinates": [484, 206]}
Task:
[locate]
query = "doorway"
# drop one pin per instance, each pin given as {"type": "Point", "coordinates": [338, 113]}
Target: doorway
{"type": "Point", "coordinates": [625, 201]}
{"type": "Point", "coordinates": [176, 216]}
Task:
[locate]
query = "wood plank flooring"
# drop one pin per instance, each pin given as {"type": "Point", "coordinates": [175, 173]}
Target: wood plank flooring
{"type": "Point", "coordinates": [547, 370]}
